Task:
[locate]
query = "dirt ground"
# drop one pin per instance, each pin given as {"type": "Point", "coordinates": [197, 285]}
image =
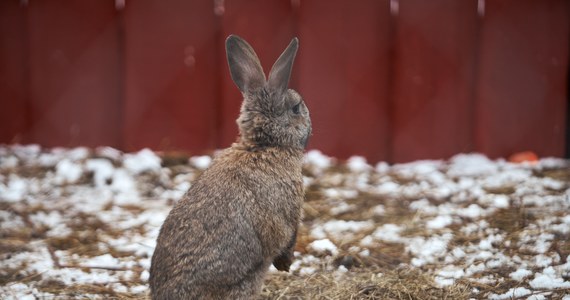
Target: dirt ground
{"type": "Point", "coordinates": [82, 223]}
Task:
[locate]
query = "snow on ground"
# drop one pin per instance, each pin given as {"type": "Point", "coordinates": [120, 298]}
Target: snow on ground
{"type": "Point", "coordinates": [83, 222]}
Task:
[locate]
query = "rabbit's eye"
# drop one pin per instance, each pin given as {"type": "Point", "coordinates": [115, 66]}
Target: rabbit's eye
{"type": "Point", "coordinates": [295, 108]}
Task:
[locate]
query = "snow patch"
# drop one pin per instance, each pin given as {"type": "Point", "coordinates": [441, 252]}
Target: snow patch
{"type": "Point", "coordinates": [317, 159]}
{"type": "Point", "coordinates": [439, 222]}
{"type": "Point", "coordinates": [520, 274]}
{"type": "Point", "coordinates": [201, 162]}
{"type": "Point", "coordinates": [102, 170]}
{"type": "Point", "coordinates": [324, 246]}
{"type": "Point", "coordinates": [68, 172]}
{"type": "Point", "coordinates": [512, 293]}
{"type": "Point", "coordinates": [142, 161]}
{"type": "Point", "coordinates": [358, 164]}
{"type": "Point", "coordinates": [471, 165]}
{"type": "Point", "coordinates": [548, 280]}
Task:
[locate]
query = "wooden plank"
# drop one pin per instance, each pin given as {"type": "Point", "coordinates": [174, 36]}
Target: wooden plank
{"type": "Point", "coordinates": [14, 115]}
{"type": "Point", "coordinates": [433, 79]}
{"type": "Point", "coordinates": [171, 74]}
{"type": "Point", "coordinates": [522, 81]}
{"type": "Point", "coordinates": [75, 73]}
{"type": "Point", "coordinates": [344, 64]}
{"type": "Point", "coordinates": [269, 27]}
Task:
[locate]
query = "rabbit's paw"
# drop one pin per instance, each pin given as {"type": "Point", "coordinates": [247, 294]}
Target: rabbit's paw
{"type": "Point", "coordinates": [283, 261]}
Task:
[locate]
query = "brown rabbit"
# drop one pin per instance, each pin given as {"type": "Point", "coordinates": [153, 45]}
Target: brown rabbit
{"type": "Point", "coordinates": [242, 213]}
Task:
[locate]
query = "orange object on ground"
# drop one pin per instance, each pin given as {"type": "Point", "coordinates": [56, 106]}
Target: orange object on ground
{"type": "Point", "coordinates": [525, 156]}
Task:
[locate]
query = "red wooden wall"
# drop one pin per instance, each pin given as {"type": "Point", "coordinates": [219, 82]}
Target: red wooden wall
{"type": "Point", "coordinates": [171, 75]}
{"type": "Point", "coordinates": [434, 63]}
{"type": "Point", "coordinates": [391, 80]}
{"type": "Point", "coordinates": [522, 85]}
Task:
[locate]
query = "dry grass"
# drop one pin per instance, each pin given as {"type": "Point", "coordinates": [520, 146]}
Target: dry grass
{"type": "Point", "coordinates": [362, 283]}
{"type": "Point", "coordinates": [81, 290]}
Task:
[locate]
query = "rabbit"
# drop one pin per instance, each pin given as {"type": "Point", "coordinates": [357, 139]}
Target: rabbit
{"type": "Point", "coordinates": [242, 213]}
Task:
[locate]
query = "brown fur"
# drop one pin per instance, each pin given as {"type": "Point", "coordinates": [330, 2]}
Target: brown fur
{"type": "Point", "coordinates": [242, 213]}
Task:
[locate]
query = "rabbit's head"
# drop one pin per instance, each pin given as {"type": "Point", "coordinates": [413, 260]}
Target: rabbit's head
{"type": "Point", "coordinates": [271, 114]}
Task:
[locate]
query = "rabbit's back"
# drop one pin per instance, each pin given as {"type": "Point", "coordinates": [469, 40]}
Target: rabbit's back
{"type": "Point", "coordinates": [219, 240]}
{"type": "Point", "coordinates": [205, 258]}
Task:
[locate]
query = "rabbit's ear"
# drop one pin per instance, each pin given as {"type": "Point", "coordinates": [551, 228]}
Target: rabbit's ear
{"type": "Point", "coordinates": [281, 70]}
{"type": "Point", "coordinates": [245, 68]}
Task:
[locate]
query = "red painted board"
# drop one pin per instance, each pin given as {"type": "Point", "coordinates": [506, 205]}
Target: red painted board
{"type": "Point", "coordinates": [434, 61]}
{"type": "Point", "coordinates": [521, 102]}
{"type": "Point", "coordinates": [268, 26]}
{"type": "Point", "coordinates": [171, 73]}
{"type": "Point", "coordinates": [14, 114]}
{"type": "Point", "coordinates": [344, 63]}
{"type": "Point", "coordinates": [75, 73]}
